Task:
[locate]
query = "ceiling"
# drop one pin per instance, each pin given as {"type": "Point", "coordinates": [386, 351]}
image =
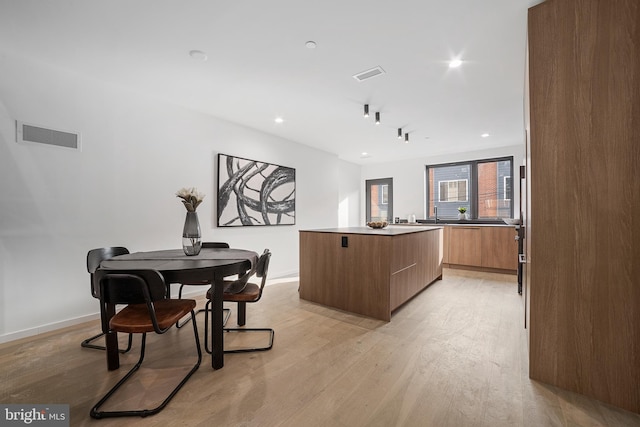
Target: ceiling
{"type": "Point", "coordinates": [258, 67]}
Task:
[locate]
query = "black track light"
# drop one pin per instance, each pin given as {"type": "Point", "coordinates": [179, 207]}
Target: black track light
{"type": "Point", "coordinates": [378, 118]}
{"type": "Point", "coordinates": [366, 110]}
{"type": "Point", "coordinates": [406, 138]}
{"type": "Point", "coordinates": [399, 133]}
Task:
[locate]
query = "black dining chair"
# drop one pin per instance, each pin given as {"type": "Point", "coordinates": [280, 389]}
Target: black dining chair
{"type": "Point", "coordinates": [148, 310]}
{"type": "Point", "coordinates": [214, 245]}
{"type": "Point", "coordinates": [94, 258]}
{"type": "Point", "coordinates": [241, 291]}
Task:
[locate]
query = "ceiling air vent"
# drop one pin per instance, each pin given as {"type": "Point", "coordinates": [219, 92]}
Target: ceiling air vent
{"type": "Point", "coordinates": [41, 135]}
{"type": "Point", "coordinates": [369, 73]}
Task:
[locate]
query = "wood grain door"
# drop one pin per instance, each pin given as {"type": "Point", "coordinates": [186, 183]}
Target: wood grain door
{"type": "Point", "coordinates": [584, 84]}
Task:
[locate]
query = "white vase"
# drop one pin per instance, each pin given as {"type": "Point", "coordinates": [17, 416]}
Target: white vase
{"type": "Point", "coordinates": [461, 216]}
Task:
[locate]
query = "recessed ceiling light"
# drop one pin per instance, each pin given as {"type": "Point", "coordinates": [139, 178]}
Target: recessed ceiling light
{"type": "Point", "coordinates": [198, 54]}
{"type": "Point", "coordinates": [310, 44]}
{"type": "Point", "coordinates": [365, 154]}
{"type": "Point", "coordinates": [455, 63]}
{"type": "Point", "coordinates": [279, 120]}
{"type": "Point", "coordinates": [484, 135]}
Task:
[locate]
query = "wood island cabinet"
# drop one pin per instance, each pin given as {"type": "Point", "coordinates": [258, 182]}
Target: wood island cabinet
{"type": "Point", "coordinates": [369, 272]}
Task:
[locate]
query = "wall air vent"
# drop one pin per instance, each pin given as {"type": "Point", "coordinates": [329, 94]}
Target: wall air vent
{"type": "Point", "coordinates": [377, 71]}
{"type": "Point", "coordinates": [27, 133]}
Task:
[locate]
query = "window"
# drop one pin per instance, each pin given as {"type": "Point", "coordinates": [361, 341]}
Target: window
{"type": "Point", "coordinates": [507, 187]}
{"type": "Point", "coordinates": [379, 199]}
{"type": "Point", "coordinates": [484, 187]}
{"type": "Point", "coordinates": [384, 195]}
{"type": "Point", "coordinates": [453, 191]}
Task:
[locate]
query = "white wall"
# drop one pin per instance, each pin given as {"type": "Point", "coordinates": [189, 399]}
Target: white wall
{"type": "Point", "coordinates": [56, 203]}
{"type": "Point", "coordinates": [349, 198]}
{"type": "Point", "coordinates": [409, 177]}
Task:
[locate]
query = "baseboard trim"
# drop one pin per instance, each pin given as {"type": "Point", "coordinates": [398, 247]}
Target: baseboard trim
{"type": "Point", "coordinates": [484, 269]}
{"type": "Point", "coordinates": [189, 291]}
{"type": "Point", "coordinates": [38, 330]}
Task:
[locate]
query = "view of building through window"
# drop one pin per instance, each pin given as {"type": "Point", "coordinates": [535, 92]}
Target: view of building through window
{"type": "Point", "coordinates": [494, 197]}
{"type": "Point", "coordinates": [454, 191]}
{"type": "Point", "coordinates": [379, 199]}
{"type": "Point", "coordinates": [483, 187]}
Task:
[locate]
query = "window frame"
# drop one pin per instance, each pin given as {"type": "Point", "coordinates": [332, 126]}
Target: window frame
{"type": "Point", "coordinates": [379, 181]}
{"type": "Point", "coordinates": [472, 189]}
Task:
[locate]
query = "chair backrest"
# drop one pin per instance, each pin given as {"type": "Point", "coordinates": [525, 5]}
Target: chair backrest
{"type": "Point", "coordinates": [95, 257]}
{"type": "Point", "coordinates": [130, 286]}
{"type": "Point", "coordinates": [215, 245]}
{"type": "Point", "coordinates": [260, 270]}
{"type": "Point", "coordinates": [140, 286]}
{"type": "Point", "coordinates": [263, 267]}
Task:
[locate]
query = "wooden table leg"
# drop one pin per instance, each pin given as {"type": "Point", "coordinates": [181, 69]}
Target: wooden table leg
{"type": "Point", "coordinates": [217, 341]}
{"type": "Point", "coordinates": [111, 340]}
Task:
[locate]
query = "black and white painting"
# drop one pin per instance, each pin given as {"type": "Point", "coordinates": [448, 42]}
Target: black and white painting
{"type": "Point", "coordinates": [255, 193]}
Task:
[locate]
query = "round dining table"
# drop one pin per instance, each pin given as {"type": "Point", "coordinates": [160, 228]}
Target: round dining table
{"type": "Point", "coordinates": [211, 265]}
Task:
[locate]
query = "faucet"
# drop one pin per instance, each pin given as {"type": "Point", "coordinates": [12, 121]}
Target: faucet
{"type": "Point", "coordinates": [435, 212]}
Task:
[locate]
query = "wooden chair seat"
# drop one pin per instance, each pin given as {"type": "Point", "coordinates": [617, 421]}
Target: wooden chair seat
{"type": "Point", "coordinates": [135, 319]}
{"type": "Point", "coordinates": [250, 293]}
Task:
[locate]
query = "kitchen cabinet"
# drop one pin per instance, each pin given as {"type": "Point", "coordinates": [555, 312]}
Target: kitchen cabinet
{"type": "Point", "coordinates": [499, 248]}
{"type": "Point", "coordinates": [446, 231]}
{"type": "Point", "coordinates": [465, 246]}
{"type": "Point", "coordinates": [481, 246]}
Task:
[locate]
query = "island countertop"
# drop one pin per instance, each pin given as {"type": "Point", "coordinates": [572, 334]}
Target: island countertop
{"type": "Point", "coordinates": [390, 230]}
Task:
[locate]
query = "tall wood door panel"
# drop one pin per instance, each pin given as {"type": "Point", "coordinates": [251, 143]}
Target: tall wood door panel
{"type": "Point", "coordinates": [584, 269]}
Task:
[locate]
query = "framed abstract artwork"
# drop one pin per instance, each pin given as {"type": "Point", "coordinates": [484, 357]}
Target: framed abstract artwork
{"type": "Point", "coordinates": [251, 192]}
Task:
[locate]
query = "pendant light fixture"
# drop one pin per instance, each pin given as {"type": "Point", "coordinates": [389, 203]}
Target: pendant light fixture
{"type": "Point", "coordinates": [377, 122]}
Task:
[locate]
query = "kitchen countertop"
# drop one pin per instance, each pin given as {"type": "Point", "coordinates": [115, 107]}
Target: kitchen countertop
{"type": "Point", "coordinates": [461, 223]}
{"type": "Point", "coordinates": [390, 230]}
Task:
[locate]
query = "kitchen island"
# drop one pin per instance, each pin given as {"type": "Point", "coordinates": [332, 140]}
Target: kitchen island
{"type": "Point", "coordinates": [369, 271]}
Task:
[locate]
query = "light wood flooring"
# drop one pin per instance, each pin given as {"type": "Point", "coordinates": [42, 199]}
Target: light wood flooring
{"type": "Point", "coordinates": [456, 355]}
